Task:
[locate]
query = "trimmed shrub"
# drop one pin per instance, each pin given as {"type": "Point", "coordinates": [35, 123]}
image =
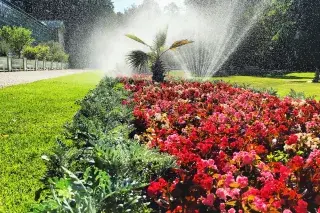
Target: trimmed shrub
{"type": "Point", "coordinates": [30, 52]}
{"type": "Point", "coordinates": [101, 169]}
{"type": "Point", "coordinates": [57, 52]}
{"type": "Point", "coordinates": [41, 52]}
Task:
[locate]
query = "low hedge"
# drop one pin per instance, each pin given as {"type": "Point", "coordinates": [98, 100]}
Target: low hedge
{"type": "Point", "coordinates": [98, 168]}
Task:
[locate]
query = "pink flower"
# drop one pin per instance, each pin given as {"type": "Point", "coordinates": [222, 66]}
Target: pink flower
{"type": "Point", "coordinates": [313, 155]}
{"type": "Point", "coordinates": [232, 210]}
{"type": "Point", "coordinates": [229, 168]}
{"type": "Point", "coordinates": [222, 207]}
{"type": "Point", "coordinates": [260, 205]}
{"type": "Point", "coordinates": [208, 201]}
{"type": "Point", "coordinates": [246, 158]}
{"type": "Point", "coordinates": [222, 194]}
{"type": "Point", "coordinates": [287, 211]}
{"type": "Point", "coordinates": [266, 176]}
{"type": "Point", "coordinates": [243, 181]}
{"type": "Point", "coordinates": [229, 179]}
{"type": "Point", "coordinates": [234, 193]}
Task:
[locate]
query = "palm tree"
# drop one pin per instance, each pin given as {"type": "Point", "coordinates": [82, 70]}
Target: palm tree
{"type": "Point", "coordinates": [154, 59]}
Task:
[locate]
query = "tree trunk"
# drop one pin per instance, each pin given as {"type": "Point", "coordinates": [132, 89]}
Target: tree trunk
{"type": "Point", "coordinates": [316, 76]}
{"type": "Point", "coordinates": [158, 71]}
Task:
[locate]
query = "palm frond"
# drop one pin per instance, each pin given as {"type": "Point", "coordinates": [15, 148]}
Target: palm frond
{"type": "Point", "coordinates": [137, 39]}
{"type": "Point", "coordinates": [180, 43]}
{"type": "Point", "coordinates": [160, 39]}
{"type": "Point", "coordinates": [138, 59]}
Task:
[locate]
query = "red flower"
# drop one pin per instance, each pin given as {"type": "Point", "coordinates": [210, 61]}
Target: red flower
{"type": "Point", "coordinates": [302, 207]}
{"type": "Point", "coordinates": [296, 163]}
{"type": "Point", "coordinates": [293, 139]}
{"type": "Point", "coordinates": [216, 133]}
{"type": "Point", "coordinates": [155, 188]}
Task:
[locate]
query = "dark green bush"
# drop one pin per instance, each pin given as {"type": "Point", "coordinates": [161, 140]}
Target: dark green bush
{"type": "Point", "coordinates": [4, 48]}
{"type": "Point", "coordinates": [101, 169]}
{"type": "Point", "coordinates": [30, 52]}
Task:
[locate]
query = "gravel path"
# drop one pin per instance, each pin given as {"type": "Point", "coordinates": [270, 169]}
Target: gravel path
{"type": "Point", "coordinates": [13, 78]}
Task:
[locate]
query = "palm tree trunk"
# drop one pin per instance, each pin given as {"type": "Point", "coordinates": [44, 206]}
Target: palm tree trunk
{"type": "Point", "coordinates": [158, 71]}
{"type": "Point", "coordinates": [317, 76]}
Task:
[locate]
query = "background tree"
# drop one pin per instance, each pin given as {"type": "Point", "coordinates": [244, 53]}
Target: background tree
{"type": "Point", "coordinates": [270, 42]}
{"type": "Point", "coordinates": [17, 38]}
{"type": "Point", "coordinates": [307, 36]}
{"type": "Point", "coordinates": [172, 9]}
{"type": "Point", "coordinates": [201, 4]}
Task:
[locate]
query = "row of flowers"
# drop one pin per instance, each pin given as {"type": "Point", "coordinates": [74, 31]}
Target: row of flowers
{"type": "Point", "coordinates": [238, 151]}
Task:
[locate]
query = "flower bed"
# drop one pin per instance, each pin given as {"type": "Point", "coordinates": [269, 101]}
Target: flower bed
{"type": "Point", "coordinates": [238, 151]}
{"type": "Point", "coordinates": [99, 169]}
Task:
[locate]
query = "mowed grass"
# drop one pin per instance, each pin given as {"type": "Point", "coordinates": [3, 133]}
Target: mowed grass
{"type": "Point", "coordinates": [300, 82]}
{"type": "Point", "coordinates": [32, 117]}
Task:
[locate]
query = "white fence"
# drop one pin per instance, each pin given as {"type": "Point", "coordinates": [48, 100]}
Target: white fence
{"type": "Point", "coordinates": [8, 64]}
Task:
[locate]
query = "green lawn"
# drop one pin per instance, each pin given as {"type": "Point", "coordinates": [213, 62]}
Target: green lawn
{"type": "Point", "coordinates": [299, 82]}
{"type": "Point", "coordinates": [32, 117]}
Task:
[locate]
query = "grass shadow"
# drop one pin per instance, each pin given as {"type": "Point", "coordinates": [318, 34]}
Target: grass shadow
{"type": "Point", "coordinates": [288, 77]}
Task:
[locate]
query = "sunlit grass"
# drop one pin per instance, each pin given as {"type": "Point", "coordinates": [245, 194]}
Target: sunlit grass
{"type": "Point", "coordinates": [300, 82]}
{"type": "Point", "coordinates": [32, 117]}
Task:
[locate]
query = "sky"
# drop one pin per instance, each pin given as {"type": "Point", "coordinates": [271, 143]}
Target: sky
{"type": "Point", "coordinates": [120, 5]}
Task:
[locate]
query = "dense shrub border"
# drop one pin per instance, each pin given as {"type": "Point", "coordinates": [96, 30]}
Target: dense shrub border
{"type": "Point", "coordinates": [239, 151]}
{"type": "Point", "coordinates": [101, 169]}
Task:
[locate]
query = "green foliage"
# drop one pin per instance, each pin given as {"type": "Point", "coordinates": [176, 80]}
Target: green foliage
{"type": "Point", "coordinates": [56, 52]}
{"type": "Point", "coordinates": [53, 52]}
{"type": "Point", "coordinates": [32, 116]}
{"type": "Point", "coordinates": [269, 91]}
{"type": "Point", "coordinates": [137, 39]}
{"type": "Point", "coordinates": [87, 195]}
{"type": "Point", "coordinates": [4, 48]}
{"type": "Point", "coordinates": [30, 52]}
{"type": "Point", "coordinates": [17, 38]}
{"type": "Point", "coordinates": [103, 170]}
{"type": "Point", "coordinates": [43, 51]}
{"type": "Point", "coordinates": [154, 59]}
{"type": "Point", "coordinates": [278, 156]}
{"type": "Point", "coordinates": [61, 57]}
{"type": "Point", "coordinates": [138, 59]}
{"type": "Point", "coordinates": [299, 95]}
